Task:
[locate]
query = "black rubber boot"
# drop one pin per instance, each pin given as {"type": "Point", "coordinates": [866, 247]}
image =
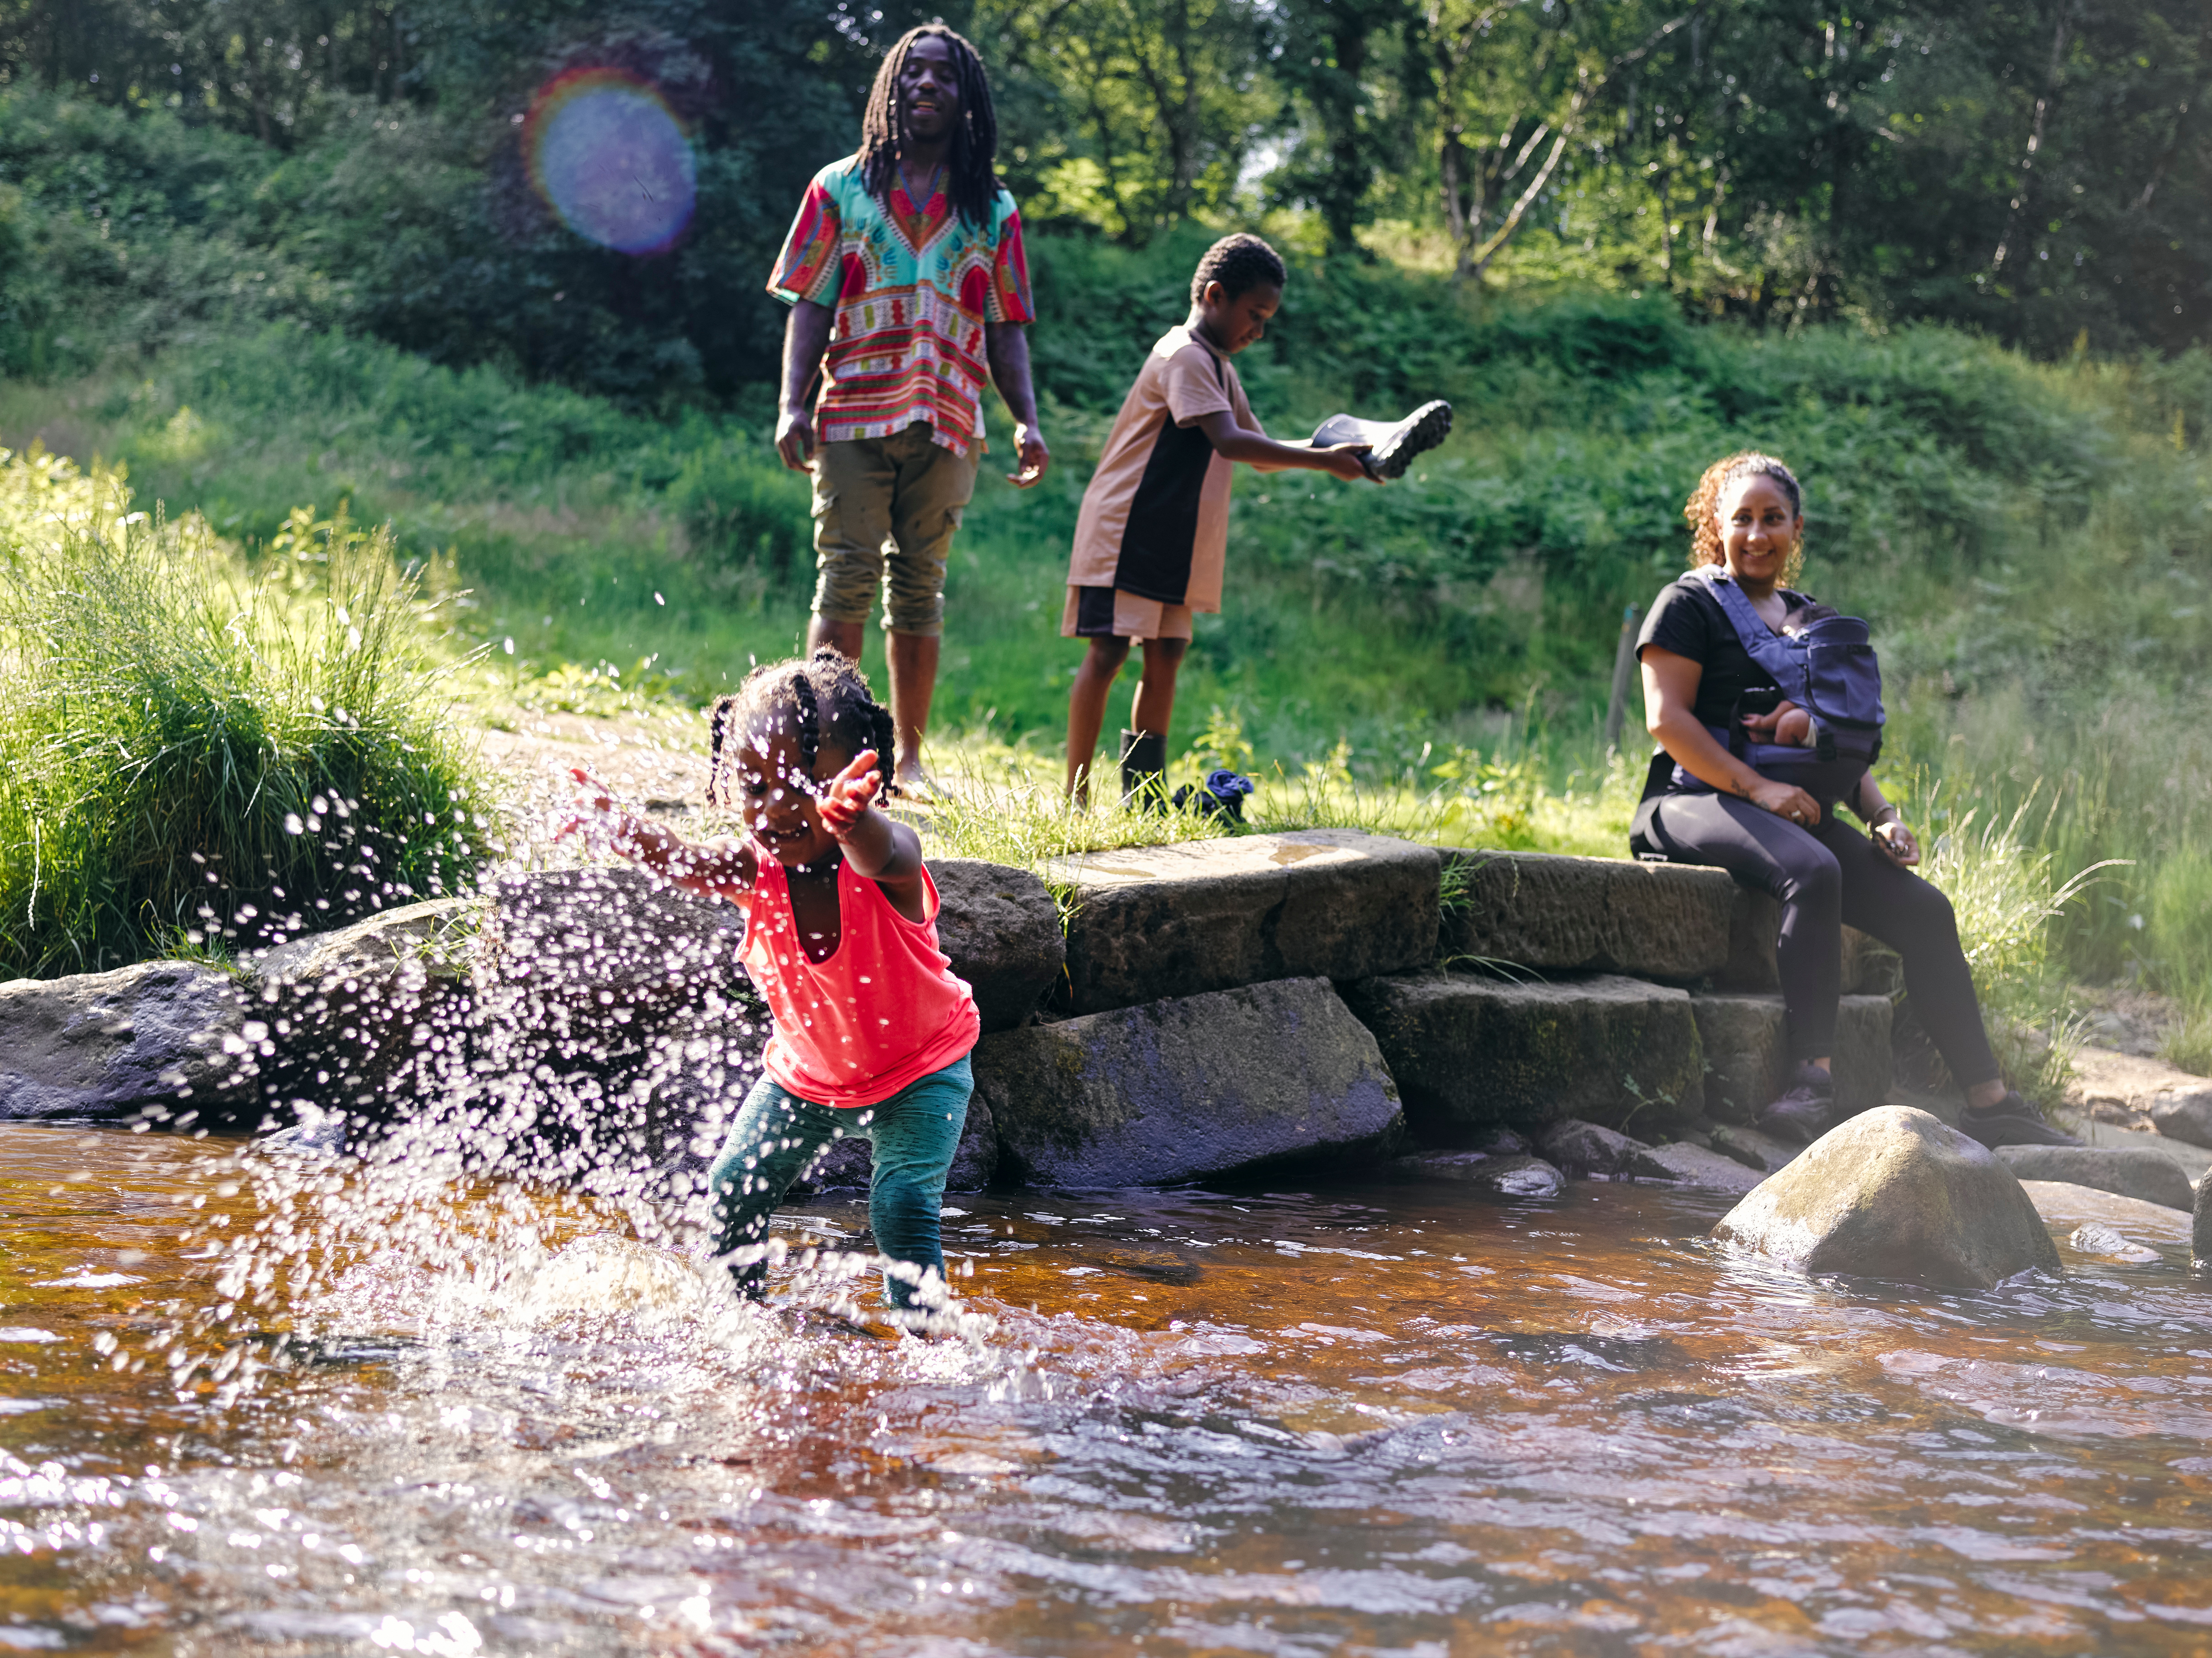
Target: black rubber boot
{"type": "Point", "coordinates": [1392, 445]}
{"type": "Point", "coordinates": [1805, 1110]}
{"type": "Point", "coordinates": [1145, 770]}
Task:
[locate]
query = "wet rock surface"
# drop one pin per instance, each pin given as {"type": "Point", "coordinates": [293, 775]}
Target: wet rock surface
{"type": "Point", "coordinates": [1692, 1165]}
{"type": "Point", "coordinates": [1510, 1174]}
{"type": "Point", "coordinates": [1471, 1052]}
{"type": "Point", "coordinates": [1188, 1087]}
{"type": "Point", "coordinates": [105, 1046]}
{"type": "Point", "coordinates": [2148, 1175]}
{"type": "Point", "coordinates": [1894, 1194]}
{"type": "Point", "coordinates": [1746, 1052]}
{"type": "Point", "coordinates": [1002, 933]}
{"type": "Point", "coordinates": [1553, 913]}
{"type": "Point", "coordinates": [1206, 916]}
{"type": "Point", "coordinates": [2067, 1208]}
{"type": "Point", "coordinates": [1585, 1149]}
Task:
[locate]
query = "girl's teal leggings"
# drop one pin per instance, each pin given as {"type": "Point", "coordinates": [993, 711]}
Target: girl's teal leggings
{"type": "Point", "coordinates": [914, 1135]}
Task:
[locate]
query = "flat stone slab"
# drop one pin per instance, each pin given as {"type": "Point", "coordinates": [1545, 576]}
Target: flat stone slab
{"type": "Point", "coordinates": [1001, 930]}
{"type": "Point", "coordinates": [1692, 1165]}
{"type": "Point", "coordinates": [1511, 1175]}
{"type": "Point", "coordinates": [2117, 1089]}
{"type": "Point", "coordinates": [2065, 1207]}
{"type": "Point", "coordinates": [177, 1037]}
{"type": "Point", "coordinates": [1471, 1052]}
{"type": "Point", "coordinates": [1894, 1194]}
{"type": "Point", "coordinates": [1560, 914]}
{"type": "Point", "coordinates": [1203, 915]}
{"type": "Point", "coordinates": [1746, 1054]}
{"type": "Point", "coordinates": [1754, 1149]}
{"type": "Point", "coordinates": [2145, 1174]}
{"type": "Point", "coordinates": [1189, 1087]}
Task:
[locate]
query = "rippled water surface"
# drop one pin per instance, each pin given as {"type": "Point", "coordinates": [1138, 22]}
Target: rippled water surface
{"type": "Point", "coordinates": [1342, 1420]}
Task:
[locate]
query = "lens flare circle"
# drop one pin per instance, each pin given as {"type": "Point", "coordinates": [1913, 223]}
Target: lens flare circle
{"type": "Point", "coordinates": [611, 160]}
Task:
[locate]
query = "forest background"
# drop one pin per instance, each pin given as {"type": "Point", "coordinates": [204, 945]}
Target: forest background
{"type": "Point", "coordinates": [1952, 260]}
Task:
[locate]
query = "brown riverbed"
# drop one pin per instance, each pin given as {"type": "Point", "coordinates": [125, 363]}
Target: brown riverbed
{"type": "Point", "coordinates": [1358, 1420]}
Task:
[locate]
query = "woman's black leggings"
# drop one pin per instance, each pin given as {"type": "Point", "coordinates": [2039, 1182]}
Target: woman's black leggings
{"type": "Point", "coordinates": [1825, 879]}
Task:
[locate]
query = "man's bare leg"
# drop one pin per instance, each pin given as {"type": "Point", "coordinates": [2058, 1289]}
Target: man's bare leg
{"type": "Point", "coordinates": [913, 686]}
{"type": "Point", "coordinates": [845, 635]}
{"type": "Point", "coordinates": [1086, 711]}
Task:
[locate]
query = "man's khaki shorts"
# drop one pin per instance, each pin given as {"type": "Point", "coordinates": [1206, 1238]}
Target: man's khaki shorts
{"type": "Point", "coordinates": [885, 512]}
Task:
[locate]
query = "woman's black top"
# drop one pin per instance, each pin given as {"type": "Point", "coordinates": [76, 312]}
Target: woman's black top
{"type": "Point", "coordinates": [1687, 619]}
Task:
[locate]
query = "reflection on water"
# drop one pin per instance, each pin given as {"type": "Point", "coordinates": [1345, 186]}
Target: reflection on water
{"type": "Point", "coordinates": [1355, 1420]}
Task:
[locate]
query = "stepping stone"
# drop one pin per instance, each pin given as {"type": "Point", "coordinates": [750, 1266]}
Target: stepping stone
{"type": "Point", "coordinates": [1189, 1087]}
{"type": "Point", "coordinates": [1558, 914]}
{"type": "Point", "coordinates": [1514, 1174]}
{"type": "Point", "coordinates": [1473, 1052]}
{"type": "Point", "coordinates": [2147, 1174]}
{"type": "Point", "coordinates": [1745, 1053]}
{"type": "Point", "coordinates": [1584, 1149]}
{"type": "Point", "coordinates": [1204, 915]}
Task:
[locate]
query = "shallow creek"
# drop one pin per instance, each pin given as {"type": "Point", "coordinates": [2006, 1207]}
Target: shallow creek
{"type": "Point", "coordinates": [1303, 1421]}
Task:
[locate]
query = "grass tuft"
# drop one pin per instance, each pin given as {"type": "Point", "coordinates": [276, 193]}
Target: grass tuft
{"type": "Point", "coordinates": [195, 755]}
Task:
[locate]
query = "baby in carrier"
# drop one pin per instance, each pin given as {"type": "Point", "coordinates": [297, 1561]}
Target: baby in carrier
{"type": "Point", "coordinates": [1786, 724]}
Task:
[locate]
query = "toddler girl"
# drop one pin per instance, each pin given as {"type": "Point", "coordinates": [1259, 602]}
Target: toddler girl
{"type": "Point", "coordinates": [869, 1027]}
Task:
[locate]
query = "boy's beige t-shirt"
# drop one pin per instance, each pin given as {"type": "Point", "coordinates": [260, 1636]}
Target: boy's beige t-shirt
{"type": "Point", "coordinates": [1155, 520]}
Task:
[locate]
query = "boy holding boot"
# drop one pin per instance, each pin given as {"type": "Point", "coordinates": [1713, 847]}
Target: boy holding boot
{"type": "Point", "coordinates": [1153, 532]}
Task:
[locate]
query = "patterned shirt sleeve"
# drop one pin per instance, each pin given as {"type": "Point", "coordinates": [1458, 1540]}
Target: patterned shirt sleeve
{"type": "Point", "coordinates": [1009, 298]}
{"type": "Point", "coordinates": [808, 268]}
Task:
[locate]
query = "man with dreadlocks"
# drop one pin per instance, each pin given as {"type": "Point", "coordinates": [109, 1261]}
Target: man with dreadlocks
{"type": "Point", "coordinates": [870, 1028]}
{"type": "Point", "coordinates": [905, 266]}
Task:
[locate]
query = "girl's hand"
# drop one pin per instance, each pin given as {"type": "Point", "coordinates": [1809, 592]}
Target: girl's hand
{"type": "Point", "coordinates": [595, 804]}
{"type": "Point", "coordinates": [846, 798]}
{"type": "Point", "coordinates": [1896, 843]}
{"type": "Point", "coordinates": [1786, 800]}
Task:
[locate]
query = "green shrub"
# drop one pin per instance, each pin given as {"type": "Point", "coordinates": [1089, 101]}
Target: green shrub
{"type": "Point", "coordinates": [740, 505]}
{"type": "Point", "coordinates": [190, 756]}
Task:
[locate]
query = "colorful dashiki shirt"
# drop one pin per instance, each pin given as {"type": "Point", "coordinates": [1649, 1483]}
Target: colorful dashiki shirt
{"type": "Point", "coordinates": [912, 292]}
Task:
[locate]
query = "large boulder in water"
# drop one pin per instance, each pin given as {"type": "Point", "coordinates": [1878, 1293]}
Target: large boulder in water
{"type": "Point", "coordinates": [1894, 1194]}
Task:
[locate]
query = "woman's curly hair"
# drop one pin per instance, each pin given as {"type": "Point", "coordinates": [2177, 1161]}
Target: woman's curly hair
{"type": "Point", "coordinates": [824, 698]}
{"type": "Point", "coordinates": [1703, 507]}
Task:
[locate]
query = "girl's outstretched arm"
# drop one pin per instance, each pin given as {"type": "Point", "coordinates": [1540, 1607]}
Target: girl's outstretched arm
{"type": "Point", "coordinates": [718, 868]}
{"type": "Point", "coordinates": [878, 848]}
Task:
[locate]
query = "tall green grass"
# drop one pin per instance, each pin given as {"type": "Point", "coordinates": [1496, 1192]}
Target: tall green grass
{"type": "Point", "coordinates": [193, 755]}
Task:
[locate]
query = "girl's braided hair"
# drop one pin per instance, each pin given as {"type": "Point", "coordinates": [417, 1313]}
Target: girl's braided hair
{"type": "Point", "coordinates": [1703, 507]}
{"type": "Point", "coordinates": [823, 699]}
{"type": "Point", "coordinates": [971, 183]}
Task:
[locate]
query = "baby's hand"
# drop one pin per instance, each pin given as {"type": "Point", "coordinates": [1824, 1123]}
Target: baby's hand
{"type": "Point", "coordinates": [846, 798]}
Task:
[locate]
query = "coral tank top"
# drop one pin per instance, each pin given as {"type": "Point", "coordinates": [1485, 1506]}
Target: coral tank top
{"type": "Point", "coordinates": [885, 1009]}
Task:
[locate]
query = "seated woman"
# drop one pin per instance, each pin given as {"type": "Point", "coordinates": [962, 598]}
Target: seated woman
{"type": "Point", "coordinates": [1784, 838]}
